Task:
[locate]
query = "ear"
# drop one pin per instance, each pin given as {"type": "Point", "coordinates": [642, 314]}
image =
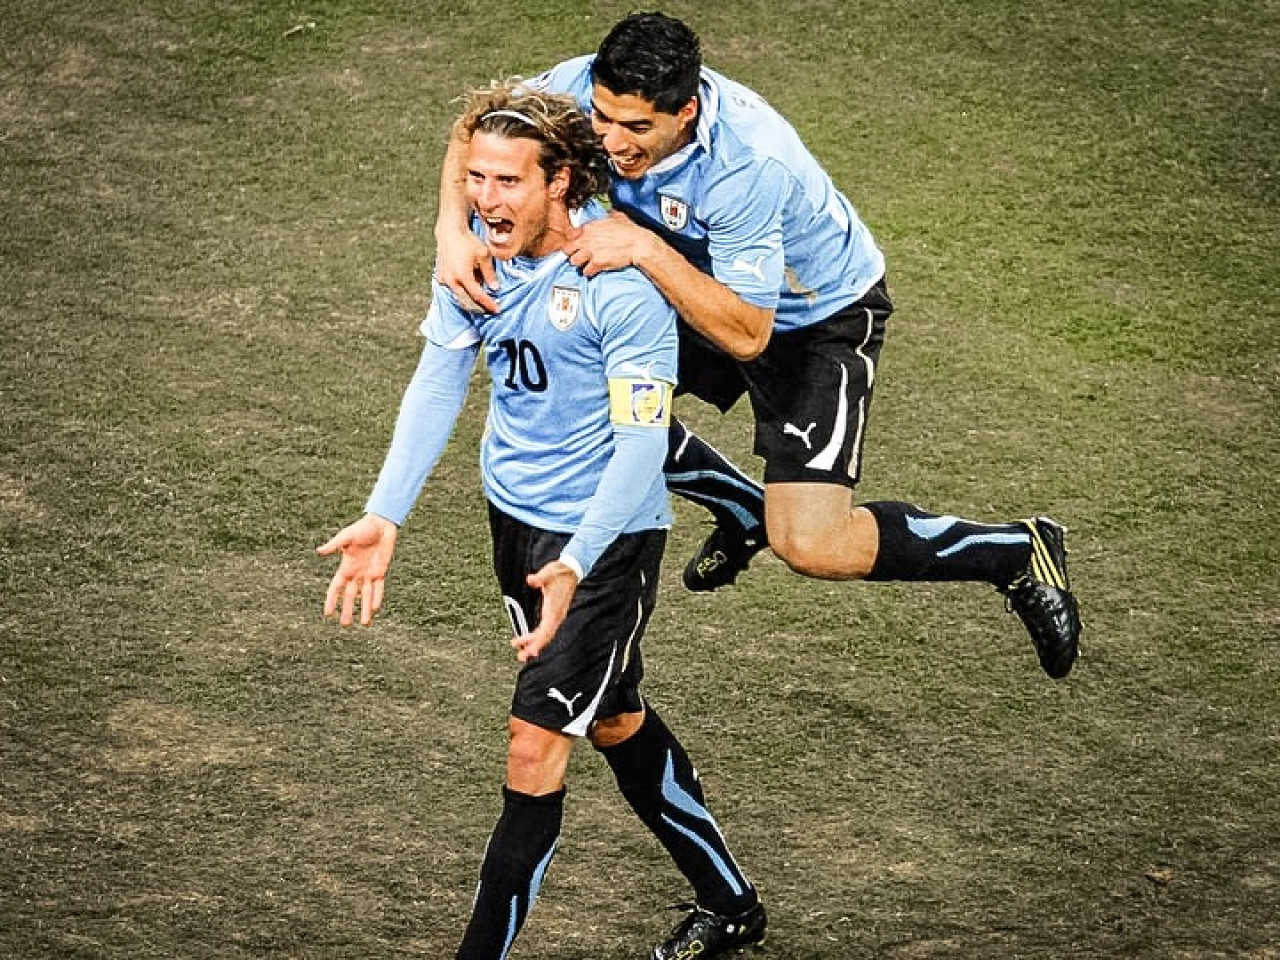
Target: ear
{"type": "Point", "coordinates": [688, 114]}
{"type": "Point", "coordinates": [558, 188]}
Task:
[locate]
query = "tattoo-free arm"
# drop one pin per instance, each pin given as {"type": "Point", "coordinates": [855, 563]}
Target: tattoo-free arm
{"type": "Point", "coordinates": [463, 263]}
{"type": "Point", "coordinates": [740, 329]}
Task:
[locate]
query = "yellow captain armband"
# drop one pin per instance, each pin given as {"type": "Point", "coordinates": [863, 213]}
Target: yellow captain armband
{"type": "Point", "coordinates": [640, 402]}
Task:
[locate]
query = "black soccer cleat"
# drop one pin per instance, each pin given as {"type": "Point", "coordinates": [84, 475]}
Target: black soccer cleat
{"type": "Point", "coordinates": [704, 935]}
{"type": "Point", "coordinates": [723, 555]}
{"type": "Point", "coordinates": [1041, 596]}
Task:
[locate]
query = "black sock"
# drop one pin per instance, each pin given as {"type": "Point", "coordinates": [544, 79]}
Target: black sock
{"type": "Point", "coordinates": [915, 545]}
{"type": "Point", "coordinates": [700, 473]}
{"type": "Point", "coordinates": [659, 782]}
{"type": "Point", "coordinates": [519, 851]}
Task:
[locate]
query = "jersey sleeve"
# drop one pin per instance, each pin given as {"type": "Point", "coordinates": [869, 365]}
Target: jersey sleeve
{"type": "Point", "coordinates": [638, 455]}
{"type": "Point", "coordinates": [640, 346]}
{"type": "Point", "coordinates": [744, 208]}
{"type": "Point", "coordinates": [428, 412]}
{"type": "Point", "coordinates": [637, 328]}
{"type": "Point", "coordinates": [447, 323]}
{"type": "Point", "coordinates": [572, 77]}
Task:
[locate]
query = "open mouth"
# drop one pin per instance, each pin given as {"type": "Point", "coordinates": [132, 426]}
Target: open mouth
{"type": "Point", "coordinates": [627, 163]}
{"type": "Point", "coordinates": [498, 229]}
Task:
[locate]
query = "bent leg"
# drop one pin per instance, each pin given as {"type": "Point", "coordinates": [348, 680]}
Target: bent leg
{"type": "Point", "coordinates": [815, 530]}
{"type": "Point", "coordinates": [818, 531]}
{"type": "Point", "coordinates": [701, 474]}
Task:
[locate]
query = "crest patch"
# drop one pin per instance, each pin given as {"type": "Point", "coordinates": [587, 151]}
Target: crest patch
{"type": "Point", "coordinates": [564, 306]}
{"type": "Point", "coordinates": [675, 212]}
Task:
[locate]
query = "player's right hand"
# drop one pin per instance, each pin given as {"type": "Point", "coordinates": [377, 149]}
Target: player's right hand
{"type": "Point", "coordinates": [465, 266]}
{"type": "Point", "coordinates": [366, 546]}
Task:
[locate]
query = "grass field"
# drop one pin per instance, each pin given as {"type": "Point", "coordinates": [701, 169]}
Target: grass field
{"type": "Point", "coordinates": [215, 247]}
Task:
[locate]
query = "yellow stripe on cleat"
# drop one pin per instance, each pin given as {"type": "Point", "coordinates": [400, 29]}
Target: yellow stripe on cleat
{"type": "Point", "coordinates": [1042, 564]}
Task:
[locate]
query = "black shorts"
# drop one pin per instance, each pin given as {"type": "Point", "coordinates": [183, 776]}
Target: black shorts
{"type": "Point", "coordinates": [708, 372]}
{"type": "Point", "coordinates": [592, 668]}
{"type": "Point", "coordinates": [810, 390]}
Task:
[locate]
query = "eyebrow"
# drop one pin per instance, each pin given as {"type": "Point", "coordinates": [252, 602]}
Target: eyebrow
{"type": "Point", "coordinates": [629, 124]}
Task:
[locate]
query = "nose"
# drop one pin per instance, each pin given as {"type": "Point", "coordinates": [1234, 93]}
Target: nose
{"type": "Point", "coordinates": [612, 136]}
{"type": "Point", "coordinates": [483, 193]}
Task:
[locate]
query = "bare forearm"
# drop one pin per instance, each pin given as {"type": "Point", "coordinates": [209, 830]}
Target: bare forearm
{"type": "Point", "coordinates": [462, 263]}
{"type": "Point", "coordinates": [454, 210]}
{"type": "Point", "coordinates": [739, 328]}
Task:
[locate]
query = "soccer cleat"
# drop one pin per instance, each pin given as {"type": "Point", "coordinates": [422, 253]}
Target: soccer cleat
{"type": "Point", "coordinates": [704, 935]}
{"type": "Point", "coordinates": [1041, 596]}
{"type": "Point", "coordinates": [722, 556]}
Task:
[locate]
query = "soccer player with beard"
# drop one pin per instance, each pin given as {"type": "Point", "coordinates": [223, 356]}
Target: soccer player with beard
{"type": "Point", "coordinates": [781, 292]}
{"type": "Point", "coordinates": [582, 371]}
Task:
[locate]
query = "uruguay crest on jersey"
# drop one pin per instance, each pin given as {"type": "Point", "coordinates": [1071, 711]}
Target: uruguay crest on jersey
{"type": "Point", "coordinates": [675, 212]}
{"type": "Point", "coordinates": [564, 306]}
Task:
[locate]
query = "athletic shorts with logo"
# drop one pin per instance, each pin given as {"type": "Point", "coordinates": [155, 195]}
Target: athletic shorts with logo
{"type": "Point", "coordinates": [592, 668]}
{"type": "Point", "coordinates": [810, 390]}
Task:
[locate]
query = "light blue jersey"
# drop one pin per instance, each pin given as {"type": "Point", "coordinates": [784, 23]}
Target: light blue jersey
{"type": "Point", "coordinates": [746, 202]}
{"type": "Point", "coordinates": [550, 351]}
{"type": "Point", "coordinates": [582, 372]}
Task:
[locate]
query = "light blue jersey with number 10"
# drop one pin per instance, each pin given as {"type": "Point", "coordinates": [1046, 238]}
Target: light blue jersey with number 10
{"type": "Point", "coordinates": [582, 372]}
{"type": "Point", "coordinates": [551, 350]}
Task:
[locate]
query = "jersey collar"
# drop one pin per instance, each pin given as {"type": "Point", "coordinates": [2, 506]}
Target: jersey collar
{"type": "Point", "coordinates": [529, 268]}
{"type": "Point", "coordinates": [708, 112]}
{"type": "Point", "coordinates": [708, 108]}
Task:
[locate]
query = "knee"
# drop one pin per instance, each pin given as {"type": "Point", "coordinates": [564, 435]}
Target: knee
{"type": "Point", "coordinates": [830, 553]}
{"type": "Point", "coordinates": [802, 553]}
{"type": "Point", "coordinates": [612, 731]}
{"type": "Point", "coordinates": [525, 754]}
{"type": "Point", "coordinates": [536, 758]}
{"type": "Point", "coordinates": [815, 529]}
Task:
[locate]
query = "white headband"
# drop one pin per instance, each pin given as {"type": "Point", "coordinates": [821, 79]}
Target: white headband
{"type": "Point", "coordinates": [515, 114]}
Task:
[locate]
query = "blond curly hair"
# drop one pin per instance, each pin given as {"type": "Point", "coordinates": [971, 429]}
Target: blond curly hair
{"type": "Point", "coordinates": [508, 109]}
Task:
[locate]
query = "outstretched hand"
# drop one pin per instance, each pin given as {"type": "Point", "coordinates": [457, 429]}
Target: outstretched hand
{"type": "Point", "coordinates": [366, 546]}
{"type": "Point", "coordinates": [465, 266]}
{"type": "Point", "coordinates": [558, 584]}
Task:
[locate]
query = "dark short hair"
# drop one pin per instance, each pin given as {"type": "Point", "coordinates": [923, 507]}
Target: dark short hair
{"type": "Point", "coordinates": [652, 56]}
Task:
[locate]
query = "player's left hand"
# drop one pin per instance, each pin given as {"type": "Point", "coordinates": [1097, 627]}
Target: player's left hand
{"type": "Point", "coordinates": [606, 244]}
{"type": "Point", "coordinates": [558, 584]}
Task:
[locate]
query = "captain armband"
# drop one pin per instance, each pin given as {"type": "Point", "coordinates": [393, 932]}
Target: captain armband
{"type": "Point", "coordinates": [640, 402]}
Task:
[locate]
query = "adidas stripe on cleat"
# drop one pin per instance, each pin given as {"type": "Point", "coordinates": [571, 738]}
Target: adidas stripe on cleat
{"type": "Point", "coordinates": [1041, 597]}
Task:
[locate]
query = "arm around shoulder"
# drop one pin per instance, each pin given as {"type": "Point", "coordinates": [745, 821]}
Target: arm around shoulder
{"type": "Point", "coordinates": [739, 328]}
{"type": "Point", "coordinates": [463, 263]}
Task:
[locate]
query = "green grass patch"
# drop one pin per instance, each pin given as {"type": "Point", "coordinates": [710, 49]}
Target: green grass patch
{"type": "Point", "coordinates": [215, 244]}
